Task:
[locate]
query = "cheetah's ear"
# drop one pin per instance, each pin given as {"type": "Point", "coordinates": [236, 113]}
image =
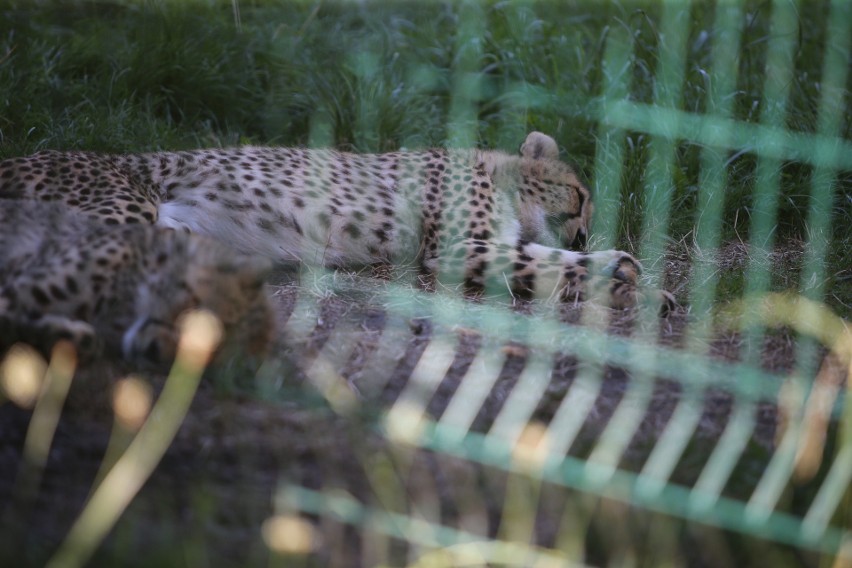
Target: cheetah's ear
{"type": "Point", "coordinates": [539, 146]}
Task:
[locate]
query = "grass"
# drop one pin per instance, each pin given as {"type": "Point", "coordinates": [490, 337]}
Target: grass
{"type": "Point", "coordinates": [123, 76]}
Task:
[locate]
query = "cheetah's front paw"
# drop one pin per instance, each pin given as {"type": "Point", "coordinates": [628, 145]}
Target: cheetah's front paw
{"type": "Point", "coordinates": [616, 264]}
{"type": "Point", "coordinates": [81, 334]}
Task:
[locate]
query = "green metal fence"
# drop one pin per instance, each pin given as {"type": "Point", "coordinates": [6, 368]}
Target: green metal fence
{"type": "Point", "coordinates": [824, 524]}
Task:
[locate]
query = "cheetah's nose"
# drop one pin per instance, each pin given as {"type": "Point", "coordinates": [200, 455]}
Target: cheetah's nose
{"type": "Point", "coordinates": [580, 241]}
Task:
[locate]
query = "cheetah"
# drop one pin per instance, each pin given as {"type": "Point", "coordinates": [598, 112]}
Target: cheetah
{"type": "Point", "coordinates": [65, 275]}
{"type": "Point", "coordinates": [484, 220]}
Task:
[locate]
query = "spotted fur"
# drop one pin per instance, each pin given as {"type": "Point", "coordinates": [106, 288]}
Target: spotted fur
{"type": "Point", "coordinates": [485, 219]}
{"type": "Point", "coordinates": [64, 275]}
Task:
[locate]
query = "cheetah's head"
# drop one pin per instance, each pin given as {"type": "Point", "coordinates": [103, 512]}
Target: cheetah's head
{"type": "Point", "coordinates": [556, 207]}
{"type": "Point", "coordinates": [201, 274]}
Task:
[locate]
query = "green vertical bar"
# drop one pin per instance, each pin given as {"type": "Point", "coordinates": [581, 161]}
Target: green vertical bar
{"type": "Point", "coordinates": [776, 89]}
{"type": "Point", "coordinates": [523, 399]}
{"type": "Point", "coordinates": [609, 156]}
{"type": "Point", "coordinates": [609, 166]}
{"type": "Point", "coordinates": [517, 99]}
{"type": "Point", "coordinates": [462, 130]}
{"type": "Point", "coordinates": [366, 66]}
{"type": "Point", "coordinates": [474, 388]}
{"type": "Point", "coordinates": [670, 445]}
{"type": "Point", "coordinates": [462, 127]}
{"type": "Point", "coordinates": [622, 426]}
{"type": "Point", "coordinates": [713, 177]}
{"type": "Point", "coordinates": [321, 133]}
{"type": "Point", "coordinates": [830, 495]}
{"type": "Point", "coordinates": [572, 413]}
{"type": "Point", "coordinates": [668, 90]}
{"type": "Point", "coordinates": [775, 478]}
{"type": "Point", "coordinates": [658, 190]}
{"type": "Point", "coordinates": [831, 114]}
{"type": "Point", "coordinates": [728, 451]}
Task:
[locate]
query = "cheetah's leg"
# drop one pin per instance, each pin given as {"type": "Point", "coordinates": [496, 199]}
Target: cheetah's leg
{"type": "Point", "coordinates": [535, 271]}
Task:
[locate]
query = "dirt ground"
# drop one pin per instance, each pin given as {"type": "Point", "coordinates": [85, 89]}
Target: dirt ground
{"type": "Point", "coordinates": [207, 499]}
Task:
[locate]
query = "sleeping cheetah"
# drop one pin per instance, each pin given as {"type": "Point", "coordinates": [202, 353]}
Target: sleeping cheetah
{"type": "Point", "coordinates": [484, 219]}
{"type": "Point", "coordinates": [64, 275]}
